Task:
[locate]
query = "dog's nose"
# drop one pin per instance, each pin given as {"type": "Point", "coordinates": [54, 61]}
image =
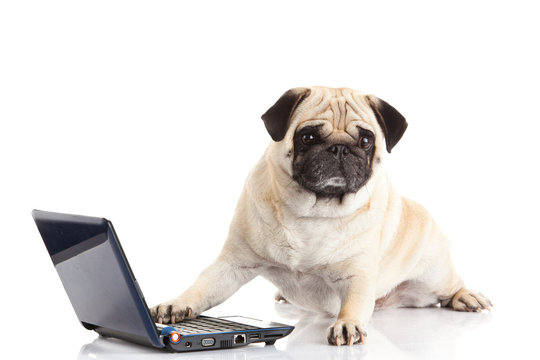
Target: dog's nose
{"type": "Point", "coordinates": [339, 150]}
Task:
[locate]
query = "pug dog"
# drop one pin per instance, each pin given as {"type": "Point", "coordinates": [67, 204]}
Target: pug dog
{"type": "Point", "coordinates": [319, 218]}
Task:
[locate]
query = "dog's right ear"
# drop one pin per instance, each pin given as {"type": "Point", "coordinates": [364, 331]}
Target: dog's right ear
{"type": "Point", "coordinates": [392, 123]}
{"type": "Point", "coordinates": [277, 119]}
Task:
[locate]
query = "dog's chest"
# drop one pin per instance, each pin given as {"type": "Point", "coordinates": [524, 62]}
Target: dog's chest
{"type": "Point", "coordinates": [311, 245]}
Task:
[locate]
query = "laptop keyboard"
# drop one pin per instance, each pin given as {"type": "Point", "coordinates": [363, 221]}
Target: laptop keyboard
{"type": "Point", "coordinates": [209, 325]}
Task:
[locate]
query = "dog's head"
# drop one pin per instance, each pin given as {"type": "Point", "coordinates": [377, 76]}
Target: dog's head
{"type": "Point", "coordinates": [333, 138]}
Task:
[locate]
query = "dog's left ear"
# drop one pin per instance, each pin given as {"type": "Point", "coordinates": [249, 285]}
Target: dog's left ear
{"type": "Point", "coordinates": [393, 124]}
{"type": "Point", "coordinates": [277, 119]}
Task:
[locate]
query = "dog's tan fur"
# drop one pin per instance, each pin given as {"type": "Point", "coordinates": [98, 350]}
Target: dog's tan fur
{"type": "Point", "coordinates": [345, 257]}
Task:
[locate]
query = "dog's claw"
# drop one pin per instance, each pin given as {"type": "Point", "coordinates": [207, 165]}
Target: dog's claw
{"type": "Point", "coordinates": [171, 312]}
{"type": "Point", "coordinates": [468, 300]}
{"type": "Point", "coordinates": [345, 332]}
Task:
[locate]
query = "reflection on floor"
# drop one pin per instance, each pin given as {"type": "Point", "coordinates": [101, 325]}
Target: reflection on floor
{"type": "Point", "coordinates": [431, 333]}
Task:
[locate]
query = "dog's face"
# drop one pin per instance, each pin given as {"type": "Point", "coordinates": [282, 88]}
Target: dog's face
{"type": "Point", "coordinates": [333, 137]}
{"type": "Point", "coordinates": [330, 163]}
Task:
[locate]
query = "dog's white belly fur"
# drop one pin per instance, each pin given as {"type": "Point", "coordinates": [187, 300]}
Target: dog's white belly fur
{"type": "Point", "coordinates": [303, 269]}
{"type": "Point", "coordinates": [305, 290]}
{"type": "Point", "coordinates": [319, 294]}
{"type": "Point", "coordinates": [314, 277]}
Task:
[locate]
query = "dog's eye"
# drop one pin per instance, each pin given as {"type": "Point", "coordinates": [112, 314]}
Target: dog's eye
{"type": "Point", "coordinates": [309, 139]}
{"type": "Point", "coordinates": [366, 142]}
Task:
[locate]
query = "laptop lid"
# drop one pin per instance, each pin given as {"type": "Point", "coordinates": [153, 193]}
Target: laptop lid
{"type": "Point", "coordinates": [96, 276]}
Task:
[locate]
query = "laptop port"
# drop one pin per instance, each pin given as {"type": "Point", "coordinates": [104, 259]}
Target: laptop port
{"type": "Point", "coordinates": [254, 336]}
{"type": "Point", "coordinates": [188, 344]}
{"type": "Point", "coordinates": [240, 339]}
{"type": "Point", "coordinates": [208, 342]}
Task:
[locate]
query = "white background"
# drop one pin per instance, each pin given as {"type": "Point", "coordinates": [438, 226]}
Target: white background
{"type": "Point", "coordinates": [148, 113]}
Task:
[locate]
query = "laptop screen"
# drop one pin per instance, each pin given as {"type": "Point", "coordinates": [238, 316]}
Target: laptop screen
{"type": "Point", "coordinates": [96, 275]}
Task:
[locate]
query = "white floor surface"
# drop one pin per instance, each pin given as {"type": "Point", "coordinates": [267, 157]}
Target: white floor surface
{"type": "Point", "coordinates": [430, 333]}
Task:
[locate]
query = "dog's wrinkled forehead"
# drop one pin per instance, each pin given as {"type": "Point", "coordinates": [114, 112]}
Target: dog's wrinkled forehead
{"type": "Point", "coordinates": [338, 109]}
{"type": "Point", "coordinates": [343, 109]}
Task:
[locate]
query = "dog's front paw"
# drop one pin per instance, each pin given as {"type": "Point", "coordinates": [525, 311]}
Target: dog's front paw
{"type": "Point", "coordinates": [171, 312]}
{"type": "Point", "coordinates": [468, 300]}
{"type": "Point", "coordinates": [345, 332]}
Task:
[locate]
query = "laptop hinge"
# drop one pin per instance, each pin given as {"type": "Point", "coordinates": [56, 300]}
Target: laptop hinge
{"type": "Point", "coordinates": [88, 325]}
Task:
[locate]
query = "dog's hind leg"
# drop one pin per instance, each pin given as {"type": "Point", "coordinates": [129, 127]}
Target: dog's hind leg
{"type": "Point", "coordinates": [452, 293]}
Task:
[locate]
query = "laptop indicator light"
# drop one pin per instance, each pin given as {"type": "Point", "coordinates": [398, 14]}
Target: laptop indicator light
{"type": "Point", "coordinates": [175, 337]}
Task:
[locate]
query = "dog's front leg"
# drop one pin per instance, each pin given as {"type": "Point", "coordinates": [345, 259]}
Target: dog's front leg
{"type": "Point", "coordinates": [213, 286]}
{"type": "Point", "coordinates": [358, 302]}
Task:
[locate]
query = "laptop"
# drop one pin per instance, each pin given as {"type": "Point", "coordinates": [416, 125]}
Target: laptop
{"type": "Point", "coordinates": [105, 295]}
